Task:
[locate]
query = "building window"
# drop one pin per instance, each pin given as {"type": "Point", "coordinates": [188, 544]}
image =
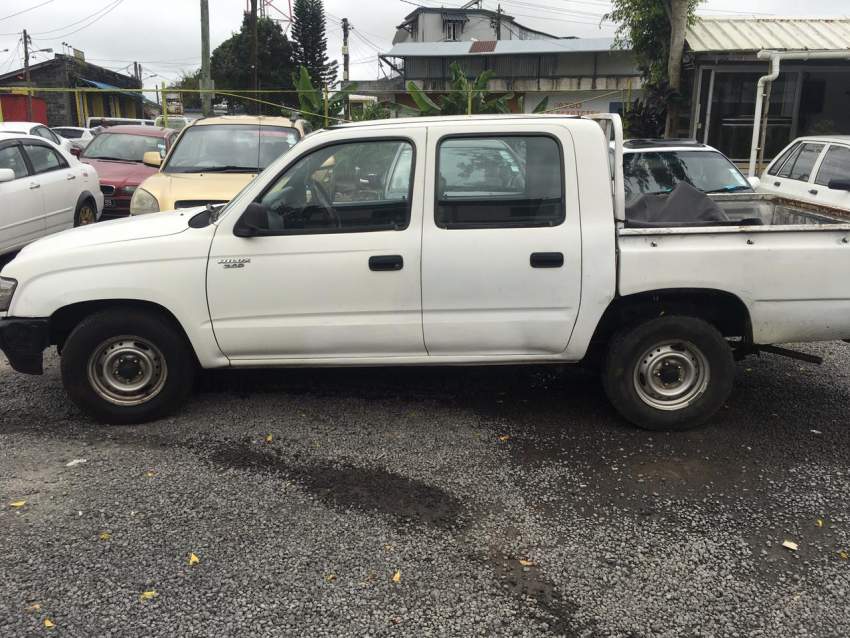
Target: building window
{"type": "Point", "coordinates": [452, 31]}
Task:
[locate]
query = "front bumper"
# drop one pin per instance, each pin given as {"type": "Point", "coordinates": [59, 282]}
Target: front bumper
{"type": "Point", "coordinates": [23, 341]}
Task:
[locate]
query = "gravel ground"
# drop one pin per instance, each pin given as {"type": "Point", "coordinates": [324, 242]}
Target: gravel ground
{"type": "Point", "coordinates": [428, 502]}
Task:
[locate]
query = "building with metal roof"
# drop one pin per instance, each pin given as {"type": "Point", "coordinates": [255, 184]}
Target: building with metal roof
{"type": "Point", "coordinates": [775, 33]}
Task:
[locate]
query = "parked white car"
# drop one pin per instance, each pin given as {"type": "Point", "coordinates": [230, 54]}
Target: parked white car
{"type": "Point", "coordinates": [77, 135]}
{"type": "Point", "coordinates": [37, 129]}
{"type": "Point", "coordinates": [812, 169]}
{"type": "Point", "coordinates": [434, 241]}
{"type": "Point", "coordinates": [43, 190]}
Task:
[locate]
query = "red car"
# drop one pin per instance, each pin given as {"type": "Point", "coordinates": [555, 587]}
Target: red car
{"type": "Point", "coordinates": [116, 154]}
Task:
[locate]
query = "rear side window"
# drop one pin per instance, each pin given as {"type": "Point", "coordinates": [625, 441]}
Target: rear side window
{"type": "Point", "coordinates": [512, 181]}
{"type": "Point", "coordinates": [11, 157]}
{"type": "Point", "coordinates": [835, 165]}
{"type": "Point", "coordinates": [782, 159]}
{"type": "Point", "coordinates": [800, 167]}
{"type": "Point", "coordinates": [44, 159]}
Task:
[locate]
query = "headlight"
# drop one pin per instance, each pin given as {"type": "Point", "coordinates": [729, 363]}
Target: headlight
{"type": "Point", "coordinates": [143, 202]}
{"type": "Point", "coordinates": [7, 289]}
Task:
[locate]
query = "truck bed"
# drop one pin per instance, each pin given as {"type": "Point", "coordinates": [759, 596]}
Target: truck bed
{"type": "Point", "coordinates": [776, 261]}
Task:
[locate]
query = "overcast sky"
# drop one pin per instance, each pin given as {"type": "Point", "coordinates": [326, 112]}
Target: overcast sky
{"type": "Point", "coordinates": [164, 35]}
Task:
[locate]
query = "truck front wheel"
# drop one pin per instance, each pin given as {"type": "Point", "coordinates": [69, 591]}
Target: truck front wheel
{"type": "Point", "coordinates": [670, 373]}
{"type": "Point", "coordinates": [127, 366]}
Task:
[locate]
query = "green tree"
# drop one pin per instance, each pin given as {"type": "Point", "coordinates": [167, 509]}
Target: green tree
{"type": "Point", "coordinates": [191, 99]}
{"type": "Point", "coordinates": [309, 43]}
{"type": "Point", "coordinates": [319, 108]}
{"type": "Point", "coordinates": [231, 62]}
{"type": "Point", "coordinates": [654, 30]}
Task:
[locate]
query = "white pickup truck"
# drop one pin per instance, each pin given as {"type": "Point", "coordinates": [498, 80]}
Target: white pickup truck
{"type": "Point", "coordinates": [432, 241]}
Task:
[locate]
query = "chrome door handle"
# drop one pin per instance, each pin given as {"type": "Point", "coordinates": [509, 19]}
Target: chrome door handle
{"type": "Point", "coordinates": [34, 185]}
{"type": "Point", "coordinates": [70, 177]}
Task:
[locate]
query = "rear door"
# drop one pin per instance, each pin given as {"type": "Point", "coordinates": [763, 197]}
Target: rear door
{"type": "Point", "coordinates": [58, 183]}
{"type": "Point", "coordinates": [501, 246]}
{"type": "Point", "coordinates": [794, 176]}
{"type": "Point", "coordinates": [834, 169]}
{"type": "Point", "coordinates": [21, 207]}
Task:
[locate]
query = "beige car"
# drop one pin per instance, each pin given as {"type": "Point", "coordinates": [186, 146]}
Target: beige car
{"type": "Point", "coordinates": [213, 159]}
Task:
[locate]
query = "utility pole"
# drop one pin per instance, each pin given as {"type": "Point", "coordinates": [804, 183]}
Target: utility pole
{"type": "Point", "coordinates": [27, 74]}
{"type": "Point", "coordinates": [499, 22]}
{"type": "Point", "coordinates": [254, 52]}
{"type": "Point", "coordinates": [345, 28]}
{"type": "Point", "coordinates": [206, 84]}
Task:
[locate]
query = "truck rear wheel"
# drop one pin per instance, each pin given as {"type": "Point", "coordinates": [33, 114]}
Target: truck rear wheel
{"type": "Point", "coordinates": [670, 373]}
{"type": "Point", "coordinates": [123, 366]}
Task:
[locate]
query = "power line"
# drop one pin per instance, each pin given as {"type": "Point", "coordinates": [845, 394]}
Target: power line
{"type": "Point", "coordinates": [101, 13]}
{"type": "Point", "coordinates": [12, 15]}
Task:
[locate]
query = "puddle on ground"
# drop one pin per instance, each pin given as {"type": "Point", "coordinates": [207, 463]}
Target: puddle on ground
{"type": "Point", "coordinates": [349, 487]}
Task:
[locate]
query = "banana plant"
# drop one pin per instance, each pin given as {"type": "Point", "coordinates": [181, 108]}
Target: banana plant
{"type": "Point", "coordinates": [317, 106]}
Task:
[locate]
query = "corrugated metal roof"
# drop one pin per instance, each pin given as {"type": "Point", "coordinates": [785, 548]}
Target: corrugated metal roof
{"type": "Point", "coordinates": [778, 33]}
{"type": "Point", "coordinates": [503, 47]}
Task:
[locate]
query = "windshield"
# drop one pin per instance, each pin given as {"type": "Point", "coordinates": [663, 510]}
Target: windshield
{"type": "Point", "coordinates": [123, 146]}
{"type": "Point", "coordinates": [236, 148]}
{"type": "Point", "coordinates": [659, 172]}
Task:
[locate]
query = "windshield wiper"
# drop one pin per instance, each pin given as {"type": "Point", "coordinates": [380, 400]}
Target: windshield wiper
{"type": "Point", "coordinates": [226, 169]}
{"type": "Point", "coordinates": [729, 189]}
{"type": "Point", "coordinates": [106, 157]}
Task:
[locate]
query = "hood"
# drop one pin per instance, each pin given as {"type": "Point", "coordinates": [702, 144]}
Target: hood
{"type": "Point", "coordinates": [120, 174]}
{"type": "Point", "coordinates": [111, 232]}
{"type": "Point", "coordinates": [169, 188]}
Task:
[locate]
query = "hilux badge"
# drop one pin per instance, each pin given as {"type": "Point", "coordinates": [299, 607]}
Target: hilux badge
{"type": "Point", "coordinates": [231, 262]}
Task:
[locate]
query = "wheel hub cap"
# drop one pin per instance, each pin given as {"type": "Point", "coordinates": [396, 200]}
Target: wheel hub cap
{"type": "Point", "coordinates": [127, 370]}
{"type": "Point", "coordinates": [671, 375]}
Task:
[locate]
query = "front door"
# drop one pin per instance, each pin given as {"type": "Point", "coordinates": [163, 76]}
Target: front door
{"type": "Point", "coordinates": [834, 169]}
{"type": "Point", "coordinates": [335, 273]}
{"type": "Point", "coordinates": [501, 247]}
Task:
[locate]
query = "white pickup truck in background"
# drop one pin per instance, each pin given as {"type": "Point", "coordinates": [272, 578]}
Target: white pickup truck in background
{"type": "Point", "coordinates": [434, 241]}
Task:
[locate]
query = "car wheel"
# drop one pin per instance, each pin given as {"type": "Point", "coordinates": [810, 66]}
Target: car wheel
{"type": "Point", "coordinates": [124, 366]}
{"type": "Point", "coordinates": [86, 213]}
{"type": "Point", "coordinates": [670, 373]}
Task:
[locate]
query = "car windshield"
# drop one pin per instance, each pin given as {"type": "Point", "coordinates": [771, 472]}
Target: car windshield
{"type": "Point", "coordinates": [661, 171]}
{"type": "Point", "coordinates": [123, 146]}
{"type": "Point", "coordinates": [232, 148]}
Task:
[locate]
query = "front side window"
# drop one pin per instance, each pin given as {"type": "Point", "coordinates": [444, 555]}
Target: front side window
{"type": "Point", "coordinates": [229, 148]}
{"type": "Point", "coordinates": [11, 157]}
{"type": "Point", "coordinates": [349, 187]}
{"type": "Point", "coordinates": [800, 167]}
{"type": "Point", "coordinates": [123, 147]}
{"type": "Point", "coordinates": [46, 133]}
{"type": "Point", "coordinates": [499, 182]}
{"type": "Point", "coordinates": [44, 159]}
{"type": "Point", "coordinates": [835, 165]}
{"type": "Point", "coordinates": [660, 172]}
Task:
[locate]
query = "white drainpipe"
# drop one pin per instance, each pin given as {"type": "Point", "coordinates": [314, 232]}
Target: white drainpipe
{"type": "Point", "coordinates": [775, 58]}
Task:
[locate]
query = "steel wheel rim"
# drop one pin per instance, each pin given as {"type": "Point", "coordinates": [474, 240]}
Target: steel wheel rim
{"type": "Point", "coordinates": [671, 375]}
{"type": "Point", "coordinates": [87, 215]}
{"type": "Point", "coordinates": [127, 370]}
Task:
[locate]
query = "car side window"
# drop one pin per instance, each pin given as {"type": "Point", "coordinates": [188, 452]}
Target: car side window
{"type": "Point", "coordinates": [511, 181]}
{"type": "Point", "coordinates": [777, 165]}
{"type": "Point", "coordinates": [11, 157]}
{"type": "Point", "coordinates": [347, 187]}
{"type": "Point", "coordinates": [835, 165]}
{"type": "Point", "coordinates": [800, 167]}
{"type": "Point", "coordinates": [46, 133]}
{"type": "Point", "coordinates": [44, 159]}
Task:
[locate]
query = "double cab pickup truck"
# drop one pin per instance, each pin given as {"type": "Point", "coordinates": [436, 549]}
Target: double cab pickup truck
{"type": "Point", "coordinates": [434, 241]}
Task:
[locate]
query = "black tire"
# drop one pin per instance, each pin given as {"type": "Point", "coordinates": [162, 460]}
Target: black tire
{"type": "Point", "coordinates": [141, 335]}
{"type": "Point", "coordinates": [688, 358]}
{"type": "Point", "coordinates": [86, 213]}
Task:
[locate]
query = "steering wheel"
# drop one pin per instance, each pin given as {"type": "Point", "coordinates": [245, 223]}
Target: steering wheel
{"type": "Point", "coordinates": [326, 202]}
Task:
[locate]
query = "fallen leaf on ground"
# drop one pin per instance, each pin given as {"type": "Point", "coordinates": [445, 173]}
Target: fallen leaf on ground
{"type": "Point", "coordinates": [75, 462]}
{"type": "Point", "coordinates": [34, 607]}
{"type": "Point", "coordinates": [48, 624]}
{"type": "Point", "coordinates": [193, 559]}
{"type": "Point", "coordinates": [397, 576]}
{"type": "Point", "coordinates": [388, 547]}
{"type": "Point", "coordinates": [819, 522]}
{"type": "Point", "coordinates": [148, 595]}
{"type": "Point", "coordinates": [329, 578]}
{"type": "Point", "coordinates": [843, 555]}
{"type": "Point", "coordinates": [17, 503]}
{"type": "Point", "coordinates": [269, 438]}
{"type": "Point", "coordinates": [150, 474]}
{"type": "Point", "coordinates": [790, 545]}
{"type": "Point", "coordinates": [105, 536]}
{"type": "Point", "coordinates": [525, 563]}
{"type": "Point", "coordinates": [504, 437]}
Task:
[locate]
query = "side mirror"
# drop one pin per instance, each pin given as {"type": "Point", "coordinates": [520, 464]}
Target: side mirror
{"type": "Point", "coordinates": [253, 222]}
{"type": "Point", "coordinates": [152, 159]}
{"type": "Point", "coordinates": [76, 152]}
{"type": "Point", "coordinates": [6, 175]}
{"type": "Point", "coordinates": [839, 185]}
{"type": "Point", "coordinates": [754, 182]}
